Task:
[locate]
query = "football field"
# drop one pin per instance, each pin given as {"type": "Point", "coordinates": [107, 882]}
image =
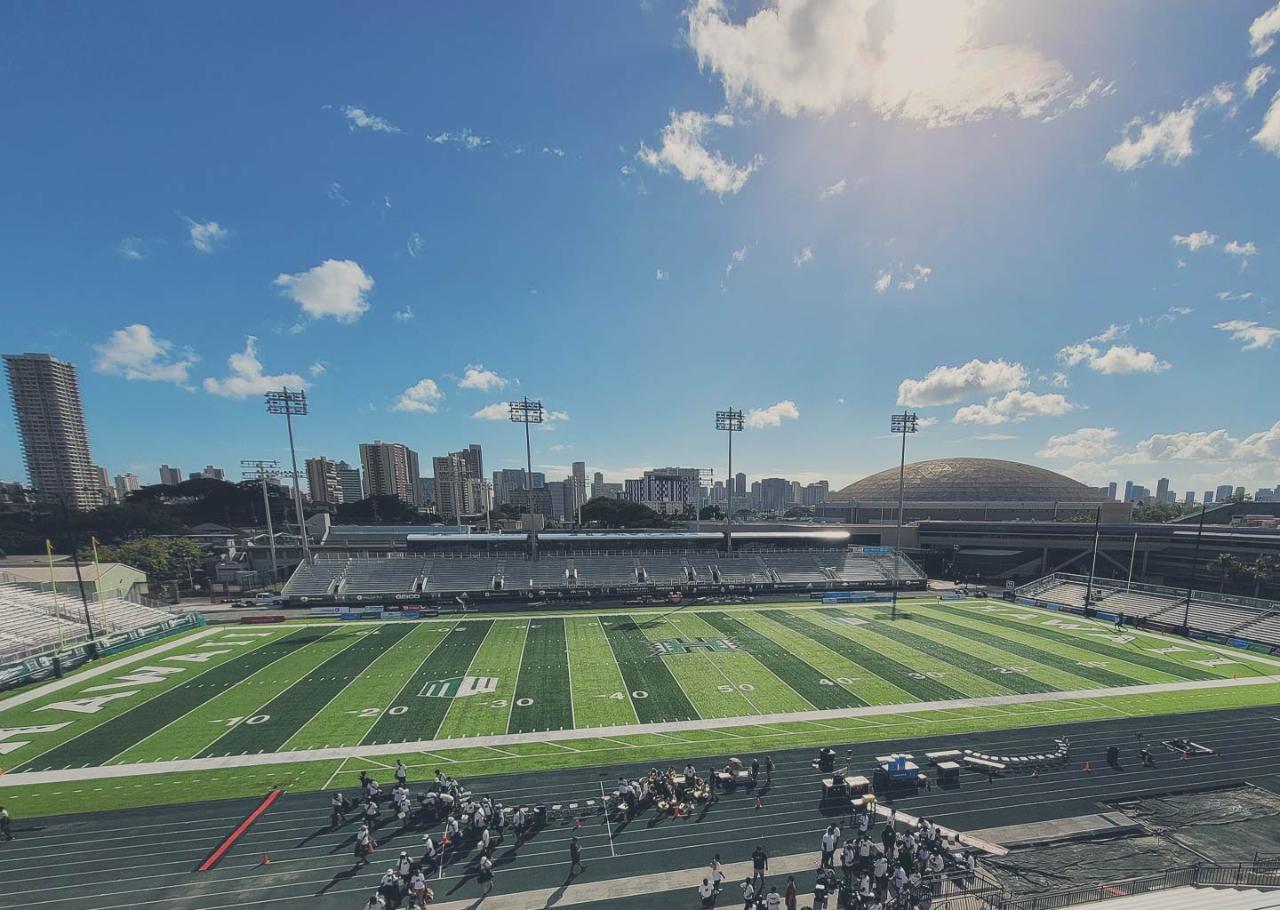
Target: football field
{"type": "Point", "coordinates": [246, 690]}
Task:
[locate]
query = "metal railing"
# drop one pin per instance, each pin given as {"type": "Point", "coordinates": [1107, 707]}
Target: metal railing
{"type": "Point", "coordinates": [1265, 874]}
{"type": "Point", "coordinates": [1179, 595]}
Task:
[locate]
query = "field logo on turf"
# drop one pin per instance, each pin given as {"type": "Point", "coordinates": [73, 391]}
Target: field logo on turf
{"type": "Point", "coordinates": [459, 687]}
{"type": "Point", "coordinates": [689, 645]}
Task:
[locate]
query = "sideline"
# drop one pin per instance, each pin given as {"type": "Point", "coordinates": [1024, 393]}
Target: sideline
{"type": "Point", "coordinates": [28, 778]}
{"type": "Point", "coordinates": [39, 690]}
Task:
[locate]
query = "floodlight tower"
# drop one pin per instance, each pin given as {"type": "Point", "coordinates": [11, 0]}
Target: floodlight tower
{"type": "Point", "coordinates": [904, 424]}
{"type": "Point", "coordinates": [730, 422]}
{"type": "Point", "coordinates": [526, 412]}
{"type": "Point", "coordinates": [292, 404]}
{"type": "Point", "coordinates": [262, 471]}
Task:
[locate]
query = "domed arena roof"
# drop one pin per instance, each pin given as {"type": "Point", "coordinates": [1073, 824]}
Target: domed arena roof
{"type": "Point", "coordinates": [969, 480]}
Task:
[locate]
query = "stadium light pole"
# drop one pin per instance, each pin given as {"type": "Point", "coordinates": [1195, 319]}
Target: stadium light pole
{"type": "Point", "coordinates": [1093, 563]}
{"type": "Point", "coordinates": [903, 424]}
{"type": "Point", "coordinates": [292, 404]}
{"type": "Point", "coordinates": [260, 470]}
{"type": "Point", "coordinates": [1195, 562]}
{"type": "Point", "coordinates": [526, 412]}
{"type": "Point", "coordinates": [729, 421]}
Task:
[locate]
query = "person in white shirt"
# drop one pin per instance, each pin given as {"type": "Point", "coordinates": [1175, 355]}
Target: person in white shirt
{"type": "Point", "coordinates": [828, 849]}
{"type": "Point", "coordinates": [748, 894]}
{"type": "Point", "coordinates": [717, 873]}
{"type": "Point", "coordinates": [707, 892]}
{"type": "Point", "coordinates": [774, 899]}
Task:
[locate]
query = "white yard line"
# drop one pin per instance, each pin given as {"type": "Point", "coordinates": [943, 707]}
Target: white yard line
{"type": "Point", "coordinates": [608, 825]}
{"type": "Point", "coordinates": [27, 778]}
{"type": "Point", "coordinates": [569, 667]}
{"type": "Point", "coordinates": [40, 691]}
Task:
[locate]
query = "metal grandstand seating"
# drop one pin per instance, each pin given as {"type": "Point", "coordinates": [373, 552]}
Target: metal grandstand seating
{"type": "Point", "coordinates": [32, 620]}
{"type": "Point", "coordinates": [461, 574]}
{"type": "Point", "coordinates": [605, 571]}
{"type": "Point", "coordinates": [537, 574]}
{"type": "Point", "coordinates": [794, 568]}
{"type": "Point", "coordinates": [381, 576]}
{"type": "Point", "coordinates": [316, 579]}
{"type": "Point", "coordinates": [741, 570]}
{"type": "Point", "coordinates": [665, 569]}
{"type": "Point", "coordinates": [1132, 603]}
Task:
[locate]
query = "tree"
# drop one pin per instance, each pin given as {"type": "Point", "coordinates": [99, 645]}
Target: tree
{"type": "Point", "coordinates": [619, 513]}
{"type": "Point", "coordinates": [798, 512]}
{"type": "Point", "coordinates": [1261, 571]}
{"type": "Point", "coordinates": [163, 559]}
{"type": "Point", "coordinates": [385, 509]}
{"type": "Point", "coordinates": [1227, 565]}
{"type": "Point", "coordinates": [1160, 512]}
{"type": "Point", "coordinates": [711, 513]}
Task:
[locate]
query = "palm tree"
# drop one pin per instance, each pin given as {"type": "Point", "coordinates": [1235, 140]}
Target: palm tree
{"type": "Point", "coordinates": [1227, 565]}
{"type": "Point", "coordinates": [1261, 571]}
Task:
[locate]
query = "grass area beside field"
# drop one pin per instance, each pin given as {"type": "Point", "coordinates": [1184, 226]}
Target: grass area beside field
{"type": "Point", "coordinates": [28, 801]}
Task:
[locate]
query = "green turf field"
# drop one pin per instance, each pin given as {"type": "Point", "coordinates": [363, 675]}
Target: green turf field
{"type": "Point", "coordinates": [252, 689]}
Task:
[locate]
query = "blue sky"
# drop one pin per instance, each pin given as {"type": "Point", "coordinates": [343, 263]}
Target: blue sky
{"type": "Point", "coordinates": [1052, 231]}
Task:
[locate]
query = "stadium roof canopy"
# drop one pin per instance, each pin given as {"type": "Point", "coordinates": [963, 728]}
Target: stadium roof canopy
{"type": "Point", "coordinates": [969, 480]}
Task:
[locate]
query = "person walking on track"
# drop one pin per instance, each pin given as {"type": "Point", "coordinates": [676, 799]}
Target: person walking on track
{"type": "Point", "coordinates": [364, 845]}
{"type": "Point", "coordinates": [402, 773]}
{"type": "Point", "coordinates": [759, 864]}
{"type": "Point", "coordinates": [6, 824]}
{"type": "Point", "coordinates": [575, 858]}
{"type": "Point", "coordinates": [485, 875]}
{"type": "Point", "coordinates": [768, 769]}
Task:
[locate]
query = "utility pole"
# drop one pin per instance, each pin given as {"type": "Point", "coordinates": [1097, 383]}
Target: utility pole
{"type": "Point", "coordinates": [1093, 564]}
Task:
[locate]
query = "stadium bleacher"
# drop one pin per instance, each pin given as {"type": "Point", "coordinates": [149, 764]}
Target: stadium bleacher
{"type": "Point", "coordinates": [32, 621]}
{"type": "Point", "coordinates": [480, 573]}
{"type": "Point", "coordinates": [1208, 612]}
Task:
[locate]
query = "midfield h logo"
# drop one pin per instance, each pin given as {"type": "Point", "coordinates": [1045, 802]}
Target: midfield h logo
{"type": "Point", "coordinates": [459, 687]}
{"type": "Point", "coordinates": [689, 645]}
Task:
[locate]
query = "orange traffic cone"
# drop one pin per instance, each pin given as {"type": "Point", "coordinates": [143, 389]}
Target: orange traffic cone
{"type": "Point", "coordinates": [1087, 769]}
{"type": "Point", "coordinates": [1035, 775]}
{"type": "Point", "coordinates": [675, 810]}
{"type": "Point", "coordinates": [1184, 756]}
{"type": "Point", "coordinates": [759, 803]}
{"type": "Point", "coordinates": [266, 860]}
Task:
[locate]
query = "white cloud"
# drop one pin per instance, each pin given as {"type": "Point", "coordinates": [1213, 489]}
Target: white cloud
{"type": "Point", "coordinates": [131, 248]}
{"type": "Point", "coordinates": [335, 287]}
{"type": "Point", "coordinates": [835, 189]}
{"type": "Point", "coordinates": [1059, 380]}
{"type": "Point", "coordinates": [246, 377]}
{"type": "Point", "coordinates": [1181, 263]}
{"type": "Point", "coordinates": [1084, 443]}
{"type": "Point", "coordinates": [1017, 405]}
{"type": "Point", "coordinates": [1111, 333]}
{"type": "Point", "coordinates": [135, 353]}
{"type": "Point", "coordinates": [405, 315]}
{"type": "Point", "coordinates": [772, 416]}
{"type": "Point", "coordinates": [1169, 138]}
{"type": "Point", "coordinates": [464, 139]}
{"type": "Point", "coordinates": [1235, 298]}
{"type": "Point", "coordinates": [317, 369]}
{"type": "Point", "coordinates": [335, 193]}
{"type": "Point", "coordinates": [423, 397]}
{"type": "Point", "coordinates": [414, 244]}
{"type": "Point", "coordinates": [947, 385]}
{"type": "Point", "coordinates": [1253, 335]}
{"type": "Point", "coordinates": [551, 150]}
{"type": "Point", "coordinates": [1195, 240]}
{"type": "Point", "coordinates": [359, 118]}
{"type": "Point", "coordinates": [1236, 248]}
{"type": "Point", "coordinates": [919, 274]}
{"type": "Point", "coordinates": [660, 275]}
{"type": "Point", "coordinates": [926, 422]}
{"type": "Point", "coordinates": [1169, 315]}
{"type": "Point", "coordinates": [683, 151]}
{"type": "Point", "coordinates": [804, 257]}
{"type": "Point", "coordinates": [1257, 78]}
{"type": "Point", "coordinates": [1125, 358]}
{"type": "Point", "coordinates": [908, 279]}
{"type": "Point", "coordinates": [1122, 358]}
{"type": "Point", "coordinates": [917, 60]}
{"type": "Point", "coordinates": [736, 258]}
{"type": "Point", "coordinates": [475, 376]}
{"type": "Point", "coordinates": [499, 410]}
{"type": "Point", "coordinates": [1263, 31]}
{"type": "Point", "coordinates": [1268, 135]}
{"type": "Point", "coordinates": [206, 235]}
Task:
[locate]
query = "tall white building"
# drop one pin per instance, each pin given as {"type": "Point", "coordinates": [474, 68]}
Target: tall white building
{"type": "Point", "coordinates": [390, 469]}
{"type": "Point", "coordinates": [126, 484]}
{"type": "Point", "coordinates": [170, 477]}
{"type": "Point", "coordinates": [457, 492]}
{"type": "Point", "coordinates": [50, 418]}
{"type": "Point", "coordinates": [350, 482]}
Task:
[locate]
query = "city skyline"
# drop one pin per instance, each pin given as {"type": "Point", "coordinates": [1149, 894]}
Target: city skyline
{"type": "Point", "coordinates": [1071, 270]}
